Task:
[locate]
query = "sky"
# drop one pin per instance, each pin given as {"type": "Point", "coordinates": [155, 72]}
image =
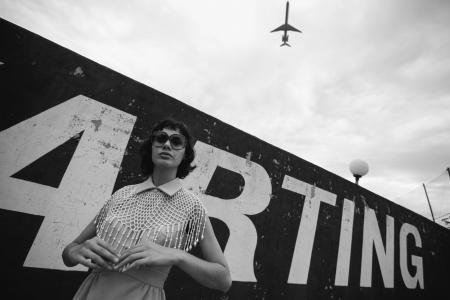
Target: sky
{"type": "Point", "coordinates": [364, 80]}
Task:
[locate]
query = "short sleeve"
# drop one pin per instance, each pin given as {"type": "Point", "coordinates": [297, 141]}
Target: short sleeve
{"type": "Point", "coordinates": [103, 212]}
{"type": "Point", "coordinates": [196, 224]}
{"type": "Point", "coordinates": [106, 208]}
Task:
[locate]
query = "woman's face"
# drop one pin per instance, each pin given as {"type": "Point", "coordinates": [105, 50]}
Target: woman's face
{"type": "Point", "coordinates": [164, 155]}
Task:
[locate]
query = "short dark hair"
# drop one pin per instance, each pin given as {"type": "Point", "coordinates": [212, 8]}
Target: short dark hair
{"type": "Point", "coordinates": [146, 149]}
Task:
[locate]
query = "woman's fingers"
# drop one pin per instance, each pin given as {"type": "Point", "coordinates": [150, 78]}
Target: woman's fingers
{"type": "Point", "coordinates": [101, 249]}
{"type": "Point", "coordinates": [132, 250]}
{"type": "Point", "coordinates": [136, 264]}
{"type": "Point", "coordinates": [129, 259]}
{"type": "Point", "coordinates": [94, 253]}
{"type": "Point", "coordinates": [102, 255]}
{"type": "Point", "coordinates": [88, 263]}
{"type": "Point", "coordinates": [97, 259]}
{"type": "Point", "coordinates": [92, 260]}
{"type": "Point", "coordinates": [105, 252]}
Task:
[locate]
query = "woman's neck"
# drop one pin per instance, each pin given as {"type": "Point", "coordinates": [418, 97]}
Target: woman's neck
{"type": "Point", "coordinates": [160, 177]}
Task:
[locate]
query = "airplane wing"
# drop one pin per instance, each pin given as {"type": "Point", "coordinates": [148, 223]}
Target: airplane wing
{"type": "Point", "coordinates": [286, 27]}
{"type": "Point", "coordinates": [291, 28]}
{"type": "Point", "coordinates": [281, 28]}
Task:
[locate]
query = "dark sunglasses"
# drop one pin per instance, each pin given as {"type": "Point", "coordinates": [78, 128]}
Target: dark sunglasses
{"type": "Point", "coordinates": [177, 141]}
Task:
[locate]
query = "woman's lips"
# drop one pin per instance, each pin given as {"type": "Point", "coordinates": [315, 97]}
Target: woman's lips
{"type": "Point", "coordinates": [165, 154]}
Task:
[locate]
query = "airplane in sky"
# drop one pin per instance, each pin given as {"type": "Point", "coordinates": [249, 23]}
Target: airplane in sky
{"type": "Point", "coordinates": [286, 27]}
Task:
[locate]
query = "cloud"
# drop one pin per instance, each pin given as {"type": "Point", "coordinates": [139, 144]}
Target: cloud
{"type": "Point", "coordinates": [365, 79]}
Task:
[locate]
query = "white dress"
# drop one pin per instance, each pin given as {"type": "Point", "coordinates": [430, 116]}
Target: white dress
{"type": "Point", "coordinates": [168, 215]}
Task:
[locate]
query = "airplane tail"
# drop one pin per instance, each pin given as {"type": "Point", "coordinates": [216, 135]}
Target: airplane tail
{"type": "Point", "coordinates": [285, 44]}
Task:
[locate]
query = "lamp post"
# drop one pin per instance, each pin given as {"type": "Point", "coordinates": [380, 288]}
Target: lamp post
{"type": "Point", "coordinates": [359, 168]}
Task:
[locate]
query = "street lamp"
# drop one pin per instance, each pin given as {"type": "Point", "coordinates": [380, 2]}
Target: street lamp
{"type": "Point", "coordinates": [359, 168]}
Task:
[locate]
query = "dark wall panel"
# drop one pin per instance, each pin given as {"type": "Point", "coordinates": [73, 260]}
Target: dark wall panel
{"type": "Point", "coordinates": [70, 132]}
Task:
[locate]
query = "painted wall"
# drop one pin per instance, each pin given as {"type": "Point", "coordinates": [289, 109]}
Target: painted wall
{"type": "Point", "coordinates": [70, 134]}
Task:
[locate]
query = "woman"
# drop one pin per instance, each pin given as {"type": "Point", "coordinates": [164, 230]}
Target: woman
{"type": "Point", "coordinates": [144, 229]}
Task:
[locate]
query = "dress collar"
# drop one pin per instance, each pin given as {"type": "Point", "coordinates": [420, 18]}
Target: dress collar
{"type": "Point", "coordinates": [169, 188]}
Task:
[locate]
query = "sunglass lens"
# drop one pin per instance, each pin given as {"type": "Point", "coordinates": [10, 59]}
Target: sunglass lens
{"type": "Point", "coordinates": [161, 137]}
{"type": "Point", "coordinates": [177, 141]}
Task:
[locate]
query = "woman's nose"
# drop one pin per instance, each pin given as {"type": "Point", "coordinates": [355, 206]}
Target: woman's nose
{"type": "Point", "coordinates": [167, 144]}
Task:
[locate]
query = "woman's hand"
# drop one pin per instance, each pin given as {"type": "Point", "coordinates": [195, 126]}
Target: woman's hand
{"type": "Point", "coordinates": [93, 253]}
{"type": "Point", "coordinates": [148, 254]}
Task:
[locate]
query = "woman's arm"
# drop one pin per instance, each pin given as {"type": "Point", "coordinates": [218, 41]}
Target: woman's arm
{"type": "Point", "coordinates": [87, 249]}
{"type": "Point", "coordinates": [212, 271]}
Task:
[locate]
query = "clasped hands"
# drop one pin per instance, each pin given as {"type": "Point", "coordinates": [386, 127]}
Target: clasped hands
{"type": "Point", "coordinates": [97, 254]}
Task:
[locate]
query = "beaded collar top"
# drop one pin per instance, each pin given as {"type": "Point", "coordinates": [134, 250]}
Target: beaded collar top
{"type": "Point", "coordinates": [168, 215]}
